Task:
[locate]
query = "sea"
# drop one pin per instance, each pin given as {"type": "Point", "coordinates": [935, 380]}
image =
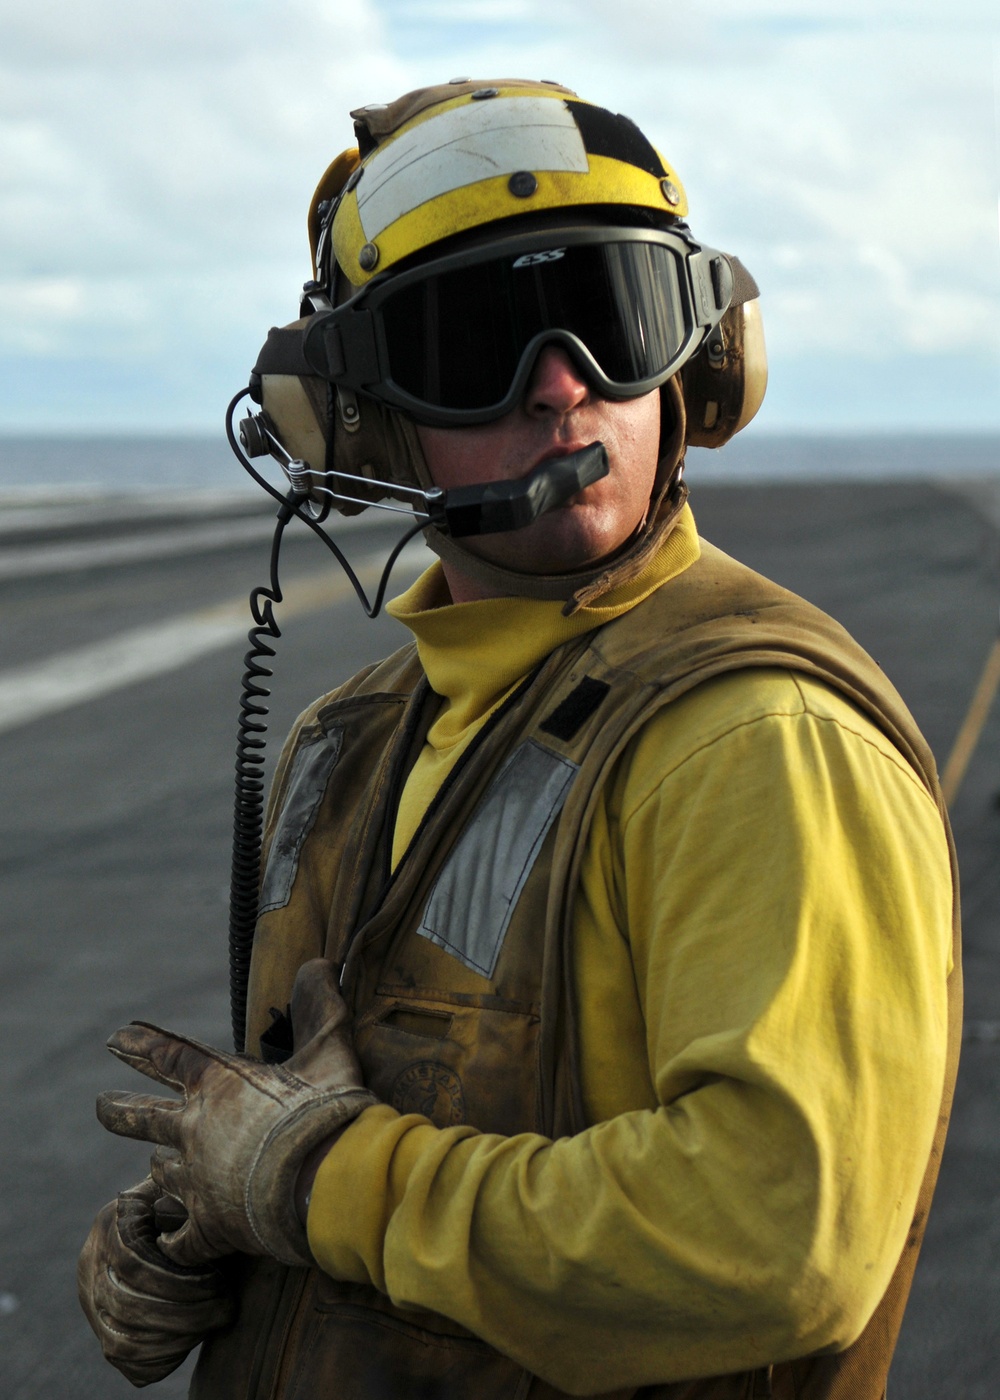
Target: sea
{"type": "Point", "coordinates": [36, 469]}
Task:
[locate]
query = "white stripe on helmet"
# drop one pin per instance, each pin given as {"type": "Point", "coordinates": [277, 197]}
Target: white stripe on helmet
{"type": "Point", "coordinates": [472, 142]}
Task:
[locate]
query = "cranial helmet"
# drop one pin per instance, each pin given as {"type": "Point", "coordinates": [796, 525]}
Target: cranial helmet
{"type": "Point", "coordinates": [475, 222]}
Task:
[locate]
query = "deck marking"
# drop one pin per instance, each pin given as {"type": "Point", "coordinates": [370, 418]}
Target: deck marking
{"type": "Point", "coordinates": [29, 561]}
{"type": "Point", "coordinates": [72, 677]}
{"type": "Point", "coordinates": [972, 726]}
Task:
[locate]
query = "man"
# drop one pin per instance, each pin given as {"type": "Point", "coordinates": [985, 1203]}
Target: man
{"type": "Point", "coordinates": [632, 871]}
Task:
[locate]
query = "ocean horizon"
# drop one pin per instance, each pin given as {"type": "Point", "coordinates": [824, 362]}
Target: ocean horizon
{"type": "Point", "coordinates": [39, 467]}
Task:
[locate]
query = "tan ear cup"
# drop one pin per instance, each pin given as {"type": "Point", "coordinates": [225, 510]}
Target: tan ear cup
{"type": "Point", "coordinates": [294, 407]}
{"type": "Point", "coordinates": [293, 404]}
{"type": "Point", "coordinates": [724, 383]}
{"type": "Point", "coordinates": [333, 432]}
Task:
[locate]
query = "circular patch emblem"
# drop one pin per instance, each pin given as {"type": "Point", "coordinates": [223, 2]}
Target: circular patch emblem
{"type": "Point", "coordinates": [431, 1089]}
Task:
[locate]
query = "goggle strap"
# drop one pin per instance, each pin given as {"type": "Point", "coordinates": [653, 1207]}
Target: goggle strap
{"type": "Point", "coordinates": [744, 286]}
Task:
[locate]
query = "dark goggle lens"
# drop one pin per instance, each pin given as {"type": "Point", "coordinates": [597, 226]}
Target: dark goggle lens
{"type": "Point", "coordinates": [455, 339]}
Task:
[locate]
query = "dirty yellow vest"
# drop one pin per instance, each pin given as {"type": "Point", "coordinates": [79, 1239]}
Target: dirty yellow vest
{"type": "Point", "coordinates": [459, 970]}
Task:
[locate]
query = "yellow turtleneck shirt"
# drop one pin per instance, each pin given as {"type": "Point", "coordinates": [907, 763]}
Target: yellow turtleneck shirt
{"type": "Point", "coordinates": [763, 929]}
{"type": "Point", "coordinates": [475, 654]}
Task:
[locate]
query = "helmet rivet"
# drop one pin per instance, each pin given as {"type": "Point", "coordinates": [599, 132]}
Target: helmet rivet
{"type": "Point", "coordinates": [454, 82]}
{"type": "Point", "coordinates": [522, 184]}
{"type": "Point", "coordinates": [480, 93]}
{"type": "Point", "coordinates": [670, 192]}
{"type": "Point", "coordinates": [368, 257]}
{"type": "Point", "coordinates": [350, 411]}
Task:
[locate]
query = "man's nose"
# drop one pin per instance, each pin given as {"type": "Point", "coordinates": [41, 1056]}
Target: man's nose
{"type": "Point", "coordinates": [556, 385]}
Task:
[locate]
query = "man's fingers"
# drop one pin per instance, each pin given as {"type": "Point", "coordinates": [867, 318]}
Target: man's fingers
{"type": "Point", "coordinates": [324, 1047]}
{"type": "Point", "coordinates": [166, 1168]}
{"type": "Point", "coordinates": [174, 1060]}
{"type": "Point", "coordinates": [141, 1116]}
{"type": "Point", "coordinates": [183, 1241]}
{"type": "Point", "coordinates": [190, 1247]}
{"type": "Point", "coordinates": [169, 1213]}
{"type": "Point", "coordinates": [316, 1000]}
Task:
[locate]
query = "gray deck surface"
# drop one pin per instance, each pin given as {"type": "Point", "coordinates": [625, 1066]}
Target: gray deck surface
{"type": "Point", "coordinates": [114, 864]}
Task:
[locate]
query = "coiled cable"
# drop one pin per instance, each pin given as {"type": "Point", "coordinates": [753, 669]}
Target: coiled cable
{"type": "Point", "coordinates": [248, 805]}
{"type": "Point", "coordinates": [251, 739]}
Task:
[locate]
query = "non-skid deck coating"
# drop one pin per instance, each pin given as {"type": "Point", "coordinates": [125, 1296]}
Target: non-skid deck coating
{"type": "Point", "coordinates": [114, 863]}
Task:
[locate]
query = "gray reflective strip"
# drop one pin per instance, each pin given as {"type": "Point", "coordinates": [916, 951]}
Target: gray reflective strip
{"type": "Point", "coordinates": [311, 770]}
{"type": "Point", "coordinates": [471, 904]}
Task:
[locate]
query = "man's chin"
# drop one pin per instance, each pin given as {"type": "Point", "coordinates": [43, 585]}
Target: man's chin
{"type": "Point", "coordinates": [560, 543]}
{"type": "Point", "coordinates": [548, 547]}
{"type": "Point", "coordinates": [536, 559]}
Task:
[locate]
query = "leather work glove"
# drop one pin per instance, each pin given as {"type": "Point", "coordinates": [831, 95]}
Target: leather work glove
{"type": "Point", "coordinates": [232, 1148]}
{"type": "Point", "coordinates": [147, 1311]}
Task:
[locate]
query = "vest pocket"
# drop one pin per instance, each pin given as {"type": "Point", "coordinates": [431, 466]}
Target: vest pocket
{"type": "Point", "coordinates": [453, 1058]}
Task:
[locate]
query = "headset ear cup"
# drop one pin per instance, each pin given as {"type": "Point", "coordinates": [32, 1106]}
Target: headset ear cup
{"type": "Point", "coordinates": [724, 383]}
{"type": "Point", "coordinates": [368, 446]}
{"type": "Point", "coordinates": [291, 402]}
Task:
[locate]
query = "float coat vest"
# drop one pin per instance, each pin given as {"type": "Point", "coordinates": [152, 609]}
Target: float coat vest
{"type": "Point", "coordinates": [458, 966]}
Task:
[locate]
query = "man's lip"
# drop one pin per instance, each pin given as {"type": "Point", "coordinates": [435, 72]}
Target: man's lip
{"type": "Point", "coordinates": [561, 450]}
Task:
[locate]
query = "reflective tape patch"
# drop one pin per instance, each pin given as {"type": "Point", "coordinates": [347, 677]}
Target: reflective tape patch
{"type": "Point", "coordinates": [312, 767]}
{"type": "Point", "coordinates": [476, 141]}
{"type": "Point", "coordinates": [470, 906]}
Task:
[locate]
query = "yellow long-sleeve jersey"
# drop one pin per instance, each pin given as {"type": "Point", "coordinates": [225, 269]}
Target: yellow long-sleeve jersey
{"type": "Point", "coordinates": [762, 938]}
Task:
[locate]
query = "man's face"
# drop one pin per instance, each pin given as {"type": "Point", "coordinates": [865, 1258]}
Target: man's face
{"type": "Point", "coordinates": [559, 414]}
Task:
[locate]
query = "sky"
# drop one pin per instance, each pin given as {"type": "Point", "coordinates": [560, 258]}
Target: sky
{"type": "Point", "coordinates": [157, 161]}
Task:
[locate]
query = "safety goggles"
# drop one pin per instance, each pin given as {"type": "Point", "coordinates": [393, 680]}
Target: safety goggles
{"type": "Point", "coordinates": [453, 342]}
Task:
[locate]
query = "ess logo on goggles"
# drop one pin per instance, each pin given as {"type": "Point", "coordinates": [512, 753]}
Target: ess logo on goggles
{"type": "Point", "coordinates": [533, 259]}
{"type": "Point", "coordinates": [454, 341]}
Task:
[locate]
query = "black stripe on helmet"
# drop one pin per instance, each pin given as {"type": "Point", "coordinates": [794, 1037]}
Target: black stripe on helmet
{"type": "Point", "coordinates": [610, 134]}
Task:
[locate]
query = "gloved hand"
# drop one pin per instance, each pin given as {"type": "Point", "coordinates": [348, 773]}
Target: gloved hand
{"type": "Point", "coordinates": [231, 1150]}
{"type": "Point", "coordinates": [147, 1311]}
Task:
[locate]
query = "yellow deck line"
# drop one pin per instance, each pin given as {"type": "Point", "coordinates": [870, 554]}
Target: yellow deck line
{"type": "Point", "coordinates": [972, 726]}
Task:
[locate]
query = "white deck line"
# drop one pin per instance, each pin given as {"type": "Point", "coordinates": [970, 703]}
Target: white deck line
{"type": "Point", "coordinates": [18, 515]}
{"type": "Point", "coordinates": [21, 514]}
{"type": "Point", "coordinates": [29, 561]}
{"type": "Point", "coordinates": [85, 673]}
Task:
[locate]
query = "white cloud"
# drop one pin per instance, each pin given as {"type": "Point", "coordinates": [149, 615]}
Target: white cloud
{"type": "Point", "coordinates": [855, 172]}
{"type": "Point", "coordinates": [157, 161]}
{"type": "Point", "coordinates": [451, 12]}
{"type": "Point", "coordinates": [34, 314]}
{"type": "Point", "coordinates": [173, 132]}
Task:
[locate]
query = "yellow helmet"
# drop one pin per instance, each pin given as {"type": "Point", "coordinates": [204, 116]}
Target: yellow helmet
{"type": "Point", "coordinates": [447, 160]}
